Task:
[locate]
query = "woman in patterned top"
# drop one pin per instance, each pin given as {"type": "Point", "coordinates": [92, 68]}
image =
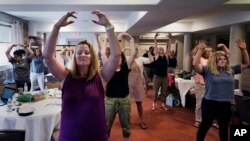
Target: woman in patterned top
{"type": "Point", "coordinates": [136, 81]}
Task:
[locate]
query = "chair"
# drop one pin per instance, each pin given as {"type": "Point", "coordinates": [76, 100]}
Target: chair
{"type": "Point", "coordinates": [12, 135]}
{"type": "Point", "coordinates": [243, 104]}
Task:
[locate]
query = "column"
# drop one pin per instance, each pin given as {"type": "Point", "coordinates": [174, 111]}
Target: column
{"type": "Point", "coordinates": [187, 61]}
{"type": "Point", "coordinates": [32, 29]}
{"type": "Point", "coordinates": [236, 32]}
{"type": "Point", "coordinates": [179, 41]}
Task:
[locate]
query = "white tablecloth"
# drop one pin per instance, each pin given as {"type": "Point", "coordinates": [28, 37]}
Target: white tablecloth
{"type": "Point", "coordinates": [40, 125]}
{"type": "Point", "coordinates": [184, 86]}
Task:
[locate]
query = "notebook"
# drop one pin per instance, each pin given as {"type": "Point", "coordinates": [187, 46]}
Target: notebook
{"type": "Point", "coordinates": [7, 93]}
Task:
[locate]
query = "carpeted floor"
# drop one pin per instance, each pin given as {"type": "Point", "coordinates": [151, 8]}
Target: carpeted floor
{"type": "Point", "coordinates": [176, 124]}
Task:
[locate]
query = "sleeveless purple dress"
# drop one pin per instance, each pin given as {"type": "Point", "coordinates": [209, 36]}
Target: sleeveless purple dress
{"type": "Point", "coordinates": [83, 110]}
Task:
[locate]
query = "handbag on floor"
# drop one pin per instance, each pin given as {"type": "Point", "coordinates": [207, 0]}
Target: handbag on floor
{"type": "Point", "coordinates": [170, 100]}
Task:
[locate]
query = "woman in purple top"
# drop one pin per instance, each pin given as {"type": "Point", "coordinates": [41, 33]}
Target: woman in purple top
{"type": "Point", "coordinates": [83, 113]}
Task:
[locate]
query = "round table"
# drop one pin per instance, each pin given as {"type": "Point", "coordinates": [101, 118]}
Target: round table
{"type": "Point", "coordinates": [40, 125]}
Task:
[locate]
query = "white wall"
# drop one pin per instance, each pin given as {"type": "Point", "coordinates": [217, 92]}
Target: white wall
{"type": "Point", "coordinates": [3, 59]}
{"type": "Point", "coordinates": [78, 26]}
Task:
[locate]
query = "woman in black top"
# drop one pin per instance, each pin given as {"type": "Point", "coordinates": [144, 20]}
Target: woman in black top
{"type": "Point", "coordinates": [160, 72]}
{"type": "Point", "coordinates": [117, 91]}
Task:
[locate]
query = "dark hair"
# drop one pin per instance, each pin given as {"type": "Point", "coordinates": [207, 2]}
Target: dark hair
{"type": "Point", "coordinates": [123, 59]}
{"type": "Point", "coordinates": [39, 50]}
{"type": "Point", "coordinates": [19, 52]}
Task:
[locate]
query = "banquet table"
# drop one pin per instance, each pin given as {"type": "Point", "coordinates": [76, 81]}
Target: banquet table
{"type": "Point", "coordinates": [40, 125]}
{"type": "Point", "coordinates": [184, 86]}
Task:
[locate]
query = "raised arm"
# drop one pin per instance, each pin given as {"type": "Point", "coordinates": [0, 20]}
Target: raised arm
{"type": "Point", "coordinates": [224, 48]}
{"type": "Point", "coordinates": [110, 67]}
{"type": "Point", "coordinates": [28, 49]}
{"type": "Point", "coordinates": [194, 50]}
{"type": "Point", "coordinates": [245, 57]}
{"type": "Point", "coordinates": [156, 47]}
{"type": "Point", "coordinates": [63, 52]}
{"type": "Point", "coordinates": [7, 52]}
{"type": "Point", "coordinates": [55, 67]}
{"type": "Point", "coordinates": [148, 60]}
{"type": "Point", "coordinates": [168, 44]}
{"type": "Point", "coordinates": [99, 49]}
{"type": "Point", "coordinates": [134, 52]}
{"type": "Point", "coordinates": [98, 42]}
{"type": "Point", "coordinates": [196, 62]}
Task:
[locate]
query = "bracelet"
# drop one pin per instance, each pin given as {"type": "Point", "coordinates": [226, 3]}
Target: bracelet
{"type": "Point", "coordinates": [109, 27]}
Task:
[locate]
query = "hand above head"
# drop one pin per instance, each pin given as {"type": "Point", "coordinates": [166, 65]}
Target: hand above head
{"type": "Point", "coordinates": [157, 34]}
{"type": "Point", "coordinates": [97, 34]}
{"type": "Point", "coordinates": [126, 36]}
{"type": "Point", "coordinates": [22, 45]}
{"type": "Point", "coordinates": [219, 46]}
{"type": "Point", "coordinates": [31, 40]}
{"type": "Point", "coordinates": [102, 18]}
{"type": "Point", "coordinates": [202, 44]}
{"type": "Point", "coordinates": [241, 44]}
{"type": "Point", "coordinates": [64, 20]}
{"type": "Point", "coordinates": [170, 35]}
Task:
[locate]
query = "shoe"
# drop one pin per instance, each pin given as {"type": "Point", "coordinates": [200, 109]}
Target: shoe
{"type": "Point", "coordinates": [197, 124]}
{"type": "Point", "coordinates": [215, 125]}
{"type": "Point", "coordinates": [153, 108]}
{"type": "Point", "coordinates": [143, 125]}
{"type": "Point", "coordinates": [164, 108]}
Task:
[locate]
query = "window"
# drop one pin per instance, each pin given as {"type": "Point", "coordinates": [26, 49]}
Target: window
{"type": "Point", "coordinates": [5, 33]}
{"type": "Point", "coordinates": [5, 42]}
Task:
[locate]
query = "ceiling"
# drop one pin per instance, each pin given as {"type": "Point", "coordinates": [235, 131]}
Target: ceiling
{"type": "Point", "coordinates": [135, 16]}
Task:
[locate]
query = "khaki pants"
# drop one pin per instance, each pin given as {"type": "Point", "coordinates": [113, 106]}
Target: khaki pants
{"type": "Point", "coordinates": [199, 94]}
{"type": "Point", "coordinates": [160, 82]}
{"type": "Point", "coordinates": [122, 106]}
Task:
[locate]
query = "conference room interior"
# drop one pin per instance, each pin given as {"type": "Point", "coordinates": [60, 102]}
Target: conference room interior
{"type": "Point", "coordinates": [214, 21]}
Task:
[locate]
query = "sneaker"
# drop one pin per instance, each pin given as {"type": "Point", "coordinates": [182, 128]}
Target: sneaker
{"type": "Point", "coordinates": [215, 125]}
{"type": "Point", "coordinates": [153, 108]}
{"type": "Point", "coordinates": [143, 125]}
{"type": "Point", "coordinates": [164, 108]}
{"type": "Point", "coordinates": [197, 124]}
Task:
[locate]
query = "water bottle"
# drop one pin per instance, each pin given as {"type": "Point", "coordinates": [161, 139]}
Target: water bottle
{"type": "Point", "coordinates": [25, 87]}
{"type": "Point", "coordinates": [9, 105]}
{"type": "Point", "coordinates": [46, 90]}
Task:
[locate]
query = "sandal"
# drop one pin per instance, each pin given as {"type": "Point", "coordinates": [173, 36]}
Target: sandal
{"type": "Point", "coordinates": [153, 108]}
{"type": "Point", "coordinates": [197, 124]}
{"type": "Point", "coordinates": [215, 125]}
{"type": "Point", "coordinates": [143, 125]}
{"type": "Point", "coordinates": [164, 108]}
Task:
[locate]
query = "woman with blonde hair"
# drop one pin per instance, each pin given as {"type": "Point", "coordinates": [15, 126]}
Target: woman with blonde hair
{"type": "Point", "coordinates": [200, 83]}
{"type": "Point", "coordinates": [83, 110]}
{"type": "Point", "coordinates": [219, 92]}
